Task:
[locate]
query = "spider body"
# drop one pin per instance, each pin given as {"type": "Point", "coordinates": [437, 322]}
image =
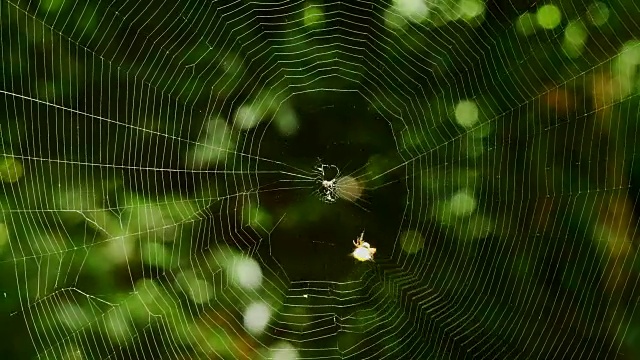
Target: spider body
{"type": "Point", "coordinates": [334, 186]}
{"type": "Point", "coordinates": [329, 188]}
{"type": "Point", "coordinates": [363, 251]}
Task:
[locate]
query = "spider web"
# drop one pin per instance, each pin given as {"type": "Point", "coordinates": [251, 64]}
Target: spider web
{"type": "Point", "coordinates": [161, 194]}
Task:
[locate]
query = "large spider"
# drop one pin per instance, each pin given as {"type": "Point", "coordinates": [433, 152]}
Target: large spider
{"type": "Point", "coordinates": [329, 188]}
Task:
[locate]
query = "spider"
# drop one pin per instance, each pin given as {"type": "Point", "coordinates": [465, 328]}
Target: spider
{"type": "Point", "coordinates": [329, 188]}
{"type": "Point", "coordinates": [363, 251]}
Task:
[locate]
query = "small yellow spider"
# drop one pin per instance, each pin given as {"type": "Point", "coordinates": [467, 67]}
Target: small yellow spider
{"type": "Point", "coordinates": [363, 251]}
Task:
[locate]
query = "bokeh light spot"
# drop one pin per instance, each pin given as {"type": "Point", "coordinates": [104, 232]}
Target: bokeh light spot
{"type": "Point", "coordinates": [598, 13]}
{"type": "Point", "coordinates": [246, 273]}
{"type": "Point", "coordinates": [11, 170]}
{"type": "Point", "coordinates": [313, 15]}
{"type": "Point", "coordinates": [256, 317]}
{"type": "Point", "coordinates": [471, 8]}
{"type": "Point", "coordinates": [549, 16]}
{"type": "Point", "coordinates": [463, 202]}
{"type": "Point", "coordinates": [466, 113]}
{"type": "Point", "coordinates": [575, 37]}
{"type": "Point", "coordinates": [412, 10]}
{"type": "Point", "coordinates": [283, 351]}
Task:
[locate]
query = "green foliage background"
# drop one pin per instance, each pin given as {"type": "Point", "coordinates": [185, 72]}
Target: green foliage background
{"type": "Point", "coordinates": [127, 190]}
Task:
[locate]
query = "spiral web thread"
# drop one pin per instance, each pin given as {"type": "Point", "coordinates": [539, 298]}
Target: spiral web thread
{"type": "Point", "coordinates": [187, 105]}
